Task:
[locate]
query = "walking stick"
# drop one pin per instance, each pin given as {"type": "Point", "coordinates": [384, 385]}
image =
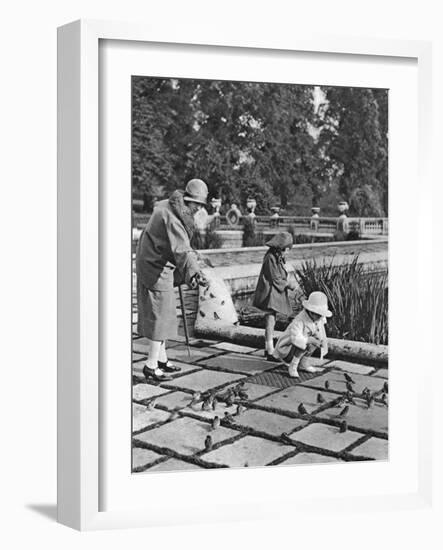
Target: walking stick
{"type": "Point", "coordinates": [185, 322]}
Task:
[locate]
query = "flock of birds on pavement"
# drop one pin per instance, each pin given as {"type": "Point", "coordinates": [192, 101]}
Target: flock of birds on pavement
{"type": "Point", "coordinates": [237, 395]}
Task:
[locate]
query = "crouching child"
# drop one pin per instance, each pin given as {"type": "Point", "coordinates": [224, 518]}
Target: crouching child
{"type": "Point", "coordinates": [304, 335]}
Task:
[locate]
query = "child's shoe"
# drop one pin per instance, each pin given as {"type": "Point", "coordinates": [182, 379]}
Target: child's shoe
{"type": "Point", "coordinates": [293, 370]}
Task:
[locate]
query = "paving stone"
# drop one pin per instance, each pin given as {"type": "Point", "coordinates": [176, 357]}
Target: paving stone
{"type": "Point", "coordinates": [173, 465]}
{"type": "Point", "coordinates": [239, 363]}
{"type": "Point", "coordinates": [373, 448]}
{"type": "Point", "coordinates": [337, 382]}
{"type": "Point", "coordinates": [267, 422]}
{"type": "Point", "coordinates": [254, 451]}
{"type": "Point", "coordinates": [175, 400]}
{"type": "Point", "coordinates": [290, 398]}
{"type": "Point", "coordinates": [351, 367]}
{"type": "Point", "coordinates": [309, 458]}
{"type": "Point", "coordinates": [381, 373]}
{"type": "Point", "coordinates": [143, 457]}
{"type": "Point", "coordinates": [141, 345]}
{"type": "Point", "coordinates": [228, 346]}
{"type": "Point", "coordinates": [138, 357]}
{"type": "Point", "coordinates": [324, 436]}
{"type": "Point", "coordinates": [359, 416]}
{"type": "Point", "coordinates": [146, 391]}
{"type": "Point", "coordinates": [255, 391]}
{"type": "Point", "coordinates": [220, 410]}
{"type": "Point", "coordinates": [185, 435]}
{"type": "Point", "coordinates": [143, 417]}
{"type": "Point", "coordinates": [180, 353]}
{"type": "Point", "coordinates": [203, 380]}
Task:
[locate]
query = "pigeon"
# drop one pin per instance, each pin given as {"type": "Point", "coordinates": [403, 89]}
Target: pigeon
{"type": "Point", "coordinates": [327, 384]}
{"type": "Point", "coordinates": [343, 426]}
{"type": "Point", "coordinates": [344, 411]}
{"type": "Point", "coordinates": [208, 443]}
{"type": "Point", "coordinates": [216, 423]}
{"type": "Point", "coordinates": [386, 387]}
{"type": "Point", "coordinates": [349, 387]}
{"type": "Point", "coordinates": [301, 409]}
{"type": "Point", "coordinates": [320, 398]}
{"type": "Point", "coordinates": [348, 378]}
{"type": "Point", "coordinates": [151, 404]}
{"type": "Point", "coordinates": [240, 408]}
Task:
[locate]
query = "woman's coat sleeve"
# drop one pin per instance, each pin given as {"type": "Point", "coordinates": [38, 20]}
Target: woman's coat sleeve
{"type": "Point", "coordinates": [184, 256]}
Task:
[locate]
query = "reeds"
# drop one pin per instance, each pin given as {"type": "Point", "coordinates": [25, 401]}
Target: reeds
{"type": "Point", "coordinates": [358, 299]}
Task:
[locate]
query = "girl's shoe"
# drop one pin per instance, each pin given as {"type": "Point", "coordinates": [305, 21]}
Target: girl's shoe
{"type": "Point", "coordinates": [167, 366]}
{"type": "Point", "coordinates": [293, 371]}
{"type": "Point", "coordinates": [270, 357]}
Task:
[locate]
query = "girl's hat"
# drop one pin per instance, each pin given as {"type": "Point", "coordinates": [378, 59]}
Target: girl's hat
{"type": "Point", "coordinates": [318, 303]}
{"type": "Point", "coordinates": [281, 240]}
{"type": "Point", "coordinates": [196, 191]}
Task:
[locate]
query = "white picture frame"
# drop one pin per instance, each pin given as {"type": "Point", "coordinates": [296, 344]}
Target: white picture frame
{"type": "Point", "coordinates": [80, 293]}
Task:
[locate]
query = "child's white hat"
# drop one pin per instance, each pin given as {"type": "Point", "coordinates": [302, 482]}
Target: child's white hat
{"type": "Point", "coordinates": [318, 303]}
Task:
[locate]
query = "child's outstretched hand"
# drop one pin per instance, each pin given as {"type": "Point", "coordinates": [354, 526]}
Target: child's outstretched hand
{"type": "Point", "coordinates": [313, 341]}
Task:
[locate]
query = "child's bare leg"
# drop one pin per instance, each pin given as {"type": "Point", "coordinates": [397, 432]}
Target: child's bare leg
{"type": "Point", "coordinates": [269, 333]}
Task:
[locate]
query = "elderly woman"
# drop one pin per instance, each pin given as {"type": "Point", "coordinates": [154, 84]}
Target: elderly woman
{"type": "Point", "coordinates": [165, 258]}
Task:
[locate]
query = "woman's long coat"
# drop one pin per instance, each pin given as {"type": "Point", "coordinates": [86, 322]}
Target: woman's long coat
{"type": "Point", "coordinates": [271, 293]}
{"type": "Point", "coordinates": [164, 256]}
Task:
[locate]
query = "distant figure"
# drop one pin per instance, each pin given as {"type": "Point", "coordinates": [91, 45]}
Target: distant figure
{"type": "Point", "coordinates": [271, 294]}
{"type": "Point", "coordinates": [165, 258]}
{"type": "Point", "coordinates": [304, 335]}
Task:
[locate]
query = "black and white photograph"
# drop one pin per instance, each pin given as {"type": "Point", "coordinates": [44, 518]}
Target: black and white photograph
{"type": "Point", "coordinates": [260, 274]}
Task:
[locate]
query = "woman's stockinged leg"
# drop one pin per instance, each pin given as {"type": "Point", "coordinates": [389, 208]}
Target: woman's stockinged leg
{"type": "Point", "coordinates": [269, 333]}
{"type": "Point", "coordinates": [162, 357]}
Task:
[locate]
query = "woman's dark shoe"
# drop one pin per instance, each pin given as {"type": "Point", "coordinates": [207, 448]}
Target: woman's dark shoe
{"type": "Point", "coordinates": [270, 357]}
{"type": "Point", "coordinates": [168, 367]}
{"type": "Point", "coordinates": [151, 374]}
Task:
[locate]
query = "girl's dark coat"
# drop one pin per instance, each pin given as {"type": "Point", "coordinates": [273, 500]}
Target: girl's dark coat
{"type": "Point", "coordinates": [272, 286]}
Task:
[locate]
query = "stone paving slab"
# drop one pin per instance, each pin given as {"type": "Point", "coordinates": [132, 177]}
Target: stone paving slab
{"type": "Point", "coordinates": [239, 363]}
{"type": "Point", "coordinates": [250, 450]}
{"type": "Point", "coordinates": [203, 380]}
{"type": "Point", "coordinates": [141, 345]}
{"type": "Point", "coordinates": [146, 391]}
{"type": "Point", "coordinates": [290, 398]}
{"type": "Point", "coordinates": [267, 422]}
{"type": "Point", "coordinates": [143, 417]}
{"type": "Point", "coordinates": [327, 437]}
{"type": "Point", "coordinates": [138, 357]}
{"type": "Point", "coordinates": [381, 373]}
{"type": "Point", "coordinates": [337, 382]}
{"type": "Point", "coordinates": [228, 346]}
{"type": "Point", "coordinates": [173, 465]}
{"type": "Point", "coordinates": [185, 435]}
{"type": "Point", "coordinates": [180, 353]}
{"type": "Point", "coordinates": [220, 410]}
{"type": "Point", "coordinates": [175, 401]}
{"type": "Point", "coordinates": [143, 457]}
{"type": "Point", "coordinates": [309, 458]}
{"type": "Point", "coordinates": [351, 367]}
{"type": "Point", "coordinates": [373, 448]}
{"type": "Point", "coordinates": [359, 416]}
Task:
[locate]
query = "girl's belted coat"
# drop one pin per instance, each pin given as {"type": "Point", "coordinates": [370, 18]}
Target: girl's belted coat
{"type": "Point", "coordinates": [164, 257]}
{"type": "Point", "coordinates": [271, 293]}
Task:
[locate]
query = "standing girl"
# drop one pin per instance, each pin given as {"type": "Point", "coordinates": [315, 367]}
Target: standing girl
{"type": "Point", "coordinates": [271, 294]}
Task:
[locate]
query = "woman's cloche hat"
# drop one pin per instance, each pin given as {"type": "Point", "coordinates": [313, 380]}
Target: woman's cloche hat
{"type": "Point", "coordinates": [281, 240]}
{"type": "Point", "coordinates": [318, 303]}
{"type": "Point", "coordinates": [196, 191]}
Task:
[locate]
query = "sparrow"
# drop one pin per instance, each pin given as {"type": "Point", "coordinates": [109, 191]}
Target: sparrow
{"type": "Point", "coordinates": [215, 423]}
{"type": "Point", "coordinates": [301, 409]}
{"type": "Point", "coordinates": [228, 419]}
{"type": "Point", "coordinates": [195, 399]}
{"type": "Point", "coordinates": [214, 403]}
{"type": "Point", "coordinates": [240, 409]}
{"type": "Point", "coordinates": [349, 387]}
{"type": "Point", "coordinates": [151, 404]}
{"type": "Point", "coordinates": [327, 384]}
{"type": "Point", "coordinates": [243, 395]}
{"type": "Point", "coordinates": [348, 378]}
{"type": "Point", "coordinates": [320, 398]}
{"type": "Point", "coordinates": [350, 398]}
{"type": "Point", "coordinates": [246, 465]}
{"type": "Point", "coordinates": [216, 316]}
{"type": "Point", "coordinates": [211, 295]}
{"type": "Point", "coordinates": [343, 426]}
{"type": "Point", "coordinates": [207, 405]}
{"type": "Point", "coordinates": [201, 313]}
{"type": "Point", "coordinates": [384, 399]}
{"type": "Point", "coordinates": [369, 400]}
{"type": "Point", "coordinates": [365, 391]}
{"type": "Point", "coordinates": [229, 400]}
{"type": "Point", "coordinates": [344, 411]}
{"type": "Point", "coordinates": [386, 387]}
{"type": "Point", "coordinates": [342, 400]}
{"type": "Point", "coordinates": [208, 443]}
